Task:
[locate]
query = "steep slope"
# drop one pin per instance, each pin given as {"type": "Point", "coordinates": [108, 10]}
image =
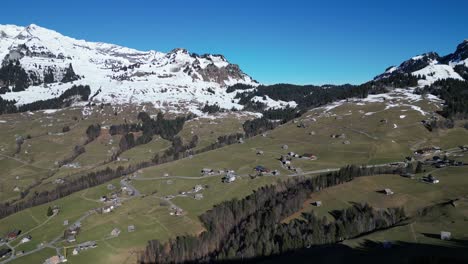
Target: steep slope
{"type": "Point", "coordinates": [430, 67]}
{"type": "Point", "coordinates": [48, 63]}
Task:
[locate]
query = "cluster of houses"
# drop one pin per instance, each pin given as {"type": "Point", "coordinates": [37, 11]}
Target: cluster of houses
{"type": "Point", "coordinates": [439, 162]}
{"type": "Point", "coordinates": [111, 203]}
{"type": "Point", "coordinates": [427, 151]}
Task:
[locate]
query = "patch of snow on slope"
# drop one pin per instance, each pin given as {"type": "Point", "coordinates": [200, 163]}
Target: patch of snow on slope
{"type": "Point", "coordinates": [272, 104]}
{"type": "Point", "coordinates": [436, 72]}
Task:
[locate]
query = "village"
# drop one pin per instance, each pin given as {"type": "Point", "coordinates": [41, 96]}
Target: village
{"type": "Point", "coordinates": [67, 244]}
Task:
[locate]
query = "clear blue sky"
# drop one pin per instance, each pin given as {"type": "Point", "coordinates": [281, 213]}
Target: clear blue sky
{"type": "Point", "coordinates": [290, 41]}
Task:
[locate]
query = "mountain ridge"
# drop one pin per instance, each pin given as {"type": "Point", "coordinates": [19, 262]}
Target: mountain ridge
{"type": "Point", "coordinates": [121, 74]}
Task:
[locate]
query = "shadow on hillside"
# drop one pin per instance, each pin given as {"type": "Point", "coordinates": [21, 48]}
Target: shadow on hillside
{"type": "Point", "coordinates": [373, 252]}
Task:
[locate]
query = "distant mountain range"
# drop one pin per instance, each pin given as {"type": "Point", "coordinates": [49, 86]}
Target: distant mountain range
{"type": "Point", "coordinates": [40, 64]}
{"type": "Point", "coordinates": [53, 63]}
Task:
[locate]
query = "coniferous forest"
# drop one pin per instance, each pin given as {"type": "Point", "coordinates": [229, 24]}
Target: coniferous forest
{"type": "Point", "coordinates": [252, 227]}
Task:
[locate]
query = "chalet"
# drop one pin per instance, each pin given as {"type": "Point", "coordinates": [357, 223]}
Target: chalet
{"type": "Point", "coordinates": [13, 234]}
{"type": "Point", "coordinates": [276, 173]}
{"type": "Point", "coordinates": [284, 147]}
{"type": "Point", "coordinates": [110, 187]}
{"type": "Point", "coordinates": [286, 162]}
{"type": "Point", "coordinates": [264, 134]}
{"type": "Point", "coordinates": [464, 148]}
{"type": "Point", "coordinates": [445, 235]}
{"type": "Point", "coordinates": [115, 232]}
{"type": "Point", "coordinates": [26, 239]}
{"type": "Point", "coordinates": [5, 252]}
{"type": "Point", "coordinates": [131, 228]}
{"type": "Point", "coordinates": [230, 177]}
{"type": "Point", "coordinates": [197, 188]}
{"type": "Point", "coordinates": [291, 154]}
{"type": "Point", "coordinates": [431, 179]}
{"type": "Point", "coordinates": [309, 156]}
{"type": "Point", "coordinates": [59, 181]}
{"type": "Point", "coordinates": [241, 141]}
{"type": "Point", "coordinates": [16, 189]}
{"type": "Point", "coordinates": [388, 191]}
{"type": "Point", "coordinates": [71, 238]}
{"type": "Point", "coordinates": [312, 133]}
{"type": "Point", "coordinates": [261, 169]}
{"type": "Point", "coordinates": [65, 222]}
{"type": "Point", "coordinates": [53, 260]}
{"type": "Point", "coordinates": [103, 198]}
{"type": "Point", "coordinates": [259, 152]}
{"type": "Point", "coordinates": [198, 196]}
{"type": "Point", "coordinates": [206, 171]}
{"type": "Point", "coordinates": [107, 209]}
{"type": "Point", "coordinates": [317, 203]}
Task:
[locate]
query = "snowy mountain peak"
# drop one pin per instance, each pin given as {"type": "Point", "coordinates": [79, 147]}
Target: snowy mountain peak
{"type": "Point", "coordinates": [117, 74]}
{"type": "Point", "coordinates": [430, 67]}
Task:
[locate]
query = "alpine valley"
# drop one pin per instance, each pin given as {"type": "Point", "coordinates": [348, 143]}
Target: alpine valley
{"type": "Point", "coordinates": [113, 155]}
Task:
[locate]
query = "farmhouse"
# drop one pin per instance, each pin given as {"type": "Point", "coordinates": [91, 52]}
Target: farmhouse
{"type": "Point", "coordinates": [71, 238]}
{"type": "Point", "coordinates": [445, 235]}
{"type": "Point", "coordinates": [107, 209]}
{"type": "Point", "coordinates": [53, 260]}
{"type": "Point", "coordinates": [261, 169]}
{"type": "Point", "coordinates": [388, 191]}
{"type": "Point", "coordinates": [317, 203]}
{"type": "Point", "coordinates": [131, 228]}
{"type": "Point", "coordinates": [26, 239]}
{"type": "Point", "coordinates": [431, 179]}
{"type": "Point", "coordinates": [230, 177]}
{"type": "Point", "coordinates": [207, 171]}
{"type": "Point", "coordinates": [13, 234]}
{"type": "Point", "coordinates": [197, 188]}
{"type": "Point", "coordinates": [5, 252]}
{"type": "Point", "coordinates": [115, 232]}
{"type": "Point", "coordinates": [309, 156]}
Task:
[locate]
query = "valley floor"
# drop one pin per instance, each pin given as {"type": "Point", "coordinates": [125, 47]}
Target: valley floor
{"type": "Point", "coordinates": [164, 201]}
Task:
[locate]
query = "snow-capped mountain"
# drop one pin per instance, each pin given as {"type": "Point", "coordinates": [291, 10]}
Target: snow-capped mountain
{"type": "Point", "coordinates": [53, 63]}
{"type": "Point", "coordinates": [431, 67]}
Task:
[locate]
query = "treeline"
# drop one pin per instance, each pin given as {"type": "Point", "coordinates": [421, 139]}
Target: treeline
{"type": "Point", "coordinates": [454, 93]}
{"type": "Point", "coordinates": [166, 128]}
{"type": "Point", "coordinates": [12, 74]}
{"type": "Point", "coordinates": [275, 239]}
{"type": "Point", "coordinates": [211, 109]}
{"type": "Point", "coordinates": [75, 93]}
{"type": "Point", "coordinates": [252, 226]}
{"type": "Point", "coordinates": [306, 97]}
